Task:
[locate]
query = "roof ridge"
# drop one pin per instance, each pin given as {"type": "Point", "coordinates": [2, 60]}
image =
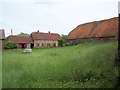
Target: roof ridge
{"type": "Point", "coordinates": [19, 36]}
{"type": "Point", "coordinates": [43, 33]}
{"type": "Point", "coordinates": [101, 27]}
{"type": "Point", "coordinates": [96, 21]}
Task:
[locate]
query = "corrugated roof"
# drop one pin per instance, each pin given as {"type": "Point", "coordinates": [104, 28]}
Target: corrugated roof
{"type": "Point", "coordinates": [20, 39]}
{"type": "Point", "coordinates": [101, 28]}
{"type": "Point", "coordinates": [45, 36]}
{"type": "Point", "coordinates": [2, 34]}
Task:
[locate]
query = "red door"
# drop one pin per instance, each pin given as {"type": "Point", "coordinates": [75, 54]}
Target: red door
{"type": "Point", "coordinates": [24, 45]}
{"type": "Point", "coordinates": [101, 39]}
{"type": "Point", "coordinates": [19, 45]}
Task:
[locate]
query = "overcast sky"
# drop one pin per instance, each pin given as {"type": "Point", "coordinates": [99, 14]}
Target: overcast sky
{"type": "Point", "coordinates": [56, 16]}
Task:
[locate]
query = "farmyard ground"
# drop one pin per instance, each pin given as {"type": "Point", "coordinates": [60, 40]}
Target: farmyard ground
{"type": "Point", "coordinates": [89, 65]}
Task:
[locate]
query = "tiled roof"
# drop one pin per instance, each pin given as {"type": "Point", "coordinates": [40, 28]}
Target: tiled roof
{"type": "Point", "coordinates": [2, 34]}
{"type": "Point", "coordinates": [102, 28]}
{"type": "Point", "coordinates": [20, 39]}
{"type": "Point", "coordinates": [45, 36]}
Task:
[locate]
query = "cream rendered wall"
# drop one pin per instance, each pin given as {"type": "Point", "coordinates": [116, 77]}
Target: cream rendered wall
{"type": "Point", "coordinates": [44, 43]}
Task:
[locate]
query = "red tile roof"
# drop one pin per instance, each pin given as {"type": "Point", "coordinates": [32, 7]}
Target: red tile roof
{"type": "Point", "coordinates": [20, 39]}
{"type": "Point", "coordinates": [106, 28]}
{"type": "Point", "coordinates": [45, 36]}
{"type": "Point", "coordinates": [103, 28]}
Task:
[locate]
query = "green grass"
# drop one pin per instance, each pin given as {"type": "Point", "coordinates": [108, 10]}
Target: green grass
{"type": "Point", "coordinates": [89, 65]}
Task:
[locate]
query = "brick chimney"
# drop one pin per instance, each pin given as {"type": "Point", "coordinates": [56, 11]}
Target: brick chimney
{"type": "Point", "coordinates": [48, 31]}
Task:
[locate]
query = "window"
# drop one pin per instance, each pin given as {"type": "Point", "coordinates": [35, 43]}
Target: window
{"type": "Point", "coordinates": [54, 44]}
{"type": "Point", "coordinates": [48, 44]}
{"type": "Point", "coordinates": [37, 44]}
{"type": "Point", "coordinates": [42, 44]}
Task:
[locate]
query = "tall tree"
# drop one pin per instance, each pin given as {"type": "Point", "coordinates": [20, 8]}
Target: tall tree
{"type": "Point", "coordinates": [23, 34]}
{"type": "Point", "coordinates": [64, 37]}
{"type": "Point", "coordinates": [62, 40]}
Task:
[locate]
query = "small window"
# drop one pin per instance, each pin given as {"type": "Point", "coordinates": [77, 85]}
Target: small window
{"type": "Point", "coordinates": [37, 44]}
{"type": "Point", "coordinates": [54, 44]}
{"type": "Point", "coordinates": [48, 44]}
{"type": "Point", "coordinates": [42, 44]}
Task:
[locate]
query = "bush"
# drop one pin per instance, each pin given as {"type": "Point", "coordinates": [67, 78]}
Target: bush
{"type": "Point", "coordinates": [10, 45]}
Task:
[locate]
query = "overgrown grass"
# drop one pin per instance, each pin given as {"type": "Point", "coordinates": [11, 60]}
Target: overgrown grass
{"type": "Point", "coordinates": [89, 65]}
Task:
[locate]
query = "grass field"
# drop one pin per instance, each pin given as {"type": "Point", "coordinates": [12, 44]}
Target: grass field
{"type": "Point", "coordinates": [89, 65]}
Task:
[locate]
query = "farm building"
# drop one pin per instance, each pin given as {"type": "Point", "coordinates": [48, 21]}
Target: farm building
{"type": "Point", "coordinates": [41, 39]}
{"type": "Point", "coordinates": [21, 41]}
{"type": "Point", "coordinates": [94, 31]}
{"type": "Point", "coordinates": [36, 40]}
{"type": "Point", "coordinates": [2, 38]}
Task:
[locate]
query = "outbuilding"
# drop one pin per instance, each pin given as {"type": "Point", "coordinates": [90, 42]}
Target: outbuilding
{"type": "Point", "coordinates": [21, 41]}
{"type": "Point", "coordinates": [101, 31]}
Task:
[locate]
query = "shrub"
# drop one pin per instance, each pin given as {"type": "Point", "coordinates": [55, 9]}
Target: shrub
{"type": "Point", "coordinates": [61, 42]}
{"type": "Point", "coordinates": [10, 45]}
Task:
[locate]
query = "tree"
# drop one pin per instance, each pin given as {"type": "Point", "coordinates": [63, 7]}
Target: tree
{"type": "Point", "coordinates": [62, 40]}
{"type": "Point", "coordinates": [23, 34]}
{"type": "Point", "coordinates": [64, 37]}
{"type": "Point", "coordinates": [10, 45]}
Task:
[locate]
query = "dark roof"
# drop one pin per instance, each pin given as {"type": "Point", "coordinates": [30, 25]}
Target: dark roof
{"type": "Point", "coordinates": [2, 34]}
{"type": "Point", "coordinates": [103, 28]}
{"type": "Point", "coordinates": [45, 36]}
{"type": "Point", "coordinates": [20, 39]}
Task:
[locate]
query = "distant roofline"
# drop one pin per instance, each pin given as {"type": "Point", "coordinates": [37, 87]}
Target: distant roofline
{"type": "Point", "coordinates": [18, 36]}
{"type": "Point", "coordinates": [44, 33]}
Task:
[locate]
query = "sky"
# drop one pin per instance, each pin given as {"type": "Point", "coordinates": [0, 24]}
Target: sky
{"type": "Point", "coordinates": [56, 16]}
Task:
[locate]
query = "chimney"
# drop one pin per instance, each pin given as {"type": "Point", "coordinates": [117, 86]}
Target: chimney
{"type": "Point", "coordinates": [11, 32]}
{"type": "Point", "coordinates": [48, 31]}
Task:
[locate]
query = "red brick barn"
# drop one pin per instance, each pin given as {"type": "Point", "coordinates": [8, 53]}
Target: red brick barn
{"type": "Point", "coordinates": [21, 41]}
{"type": "Point", "coordinates": [104, 30]}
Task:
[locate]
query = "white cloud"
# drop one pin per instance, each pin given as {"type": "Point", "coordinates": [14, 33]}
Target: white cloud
{"type": "Point", "coordinates": [59, 16]}
{"type": "Point", "coordinates": [15, 1]}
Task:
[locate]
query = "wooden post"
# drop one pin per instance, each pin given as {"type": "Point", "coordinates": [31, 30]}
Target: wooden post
{"type": "Point", "coordinates": [119, 37]}
{"type": "Point", "coordinates": [118, 61]}
{"type": "Point", "coordinates": [119, 31]}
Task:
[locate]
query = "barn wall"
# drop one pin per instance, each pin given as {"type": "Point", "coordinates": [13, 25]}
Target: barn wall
{"type": "Point", "coordinates": [95, 39]}
{"type": "Point", "coordinates": [45, 43]}
{"type": "Point", "coordinates": [77, 41]}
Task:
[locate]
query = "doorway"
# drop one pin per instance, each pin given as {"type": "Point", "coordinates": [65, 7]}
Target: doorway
{"type": "Point", "coordinates": [23, 46]}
